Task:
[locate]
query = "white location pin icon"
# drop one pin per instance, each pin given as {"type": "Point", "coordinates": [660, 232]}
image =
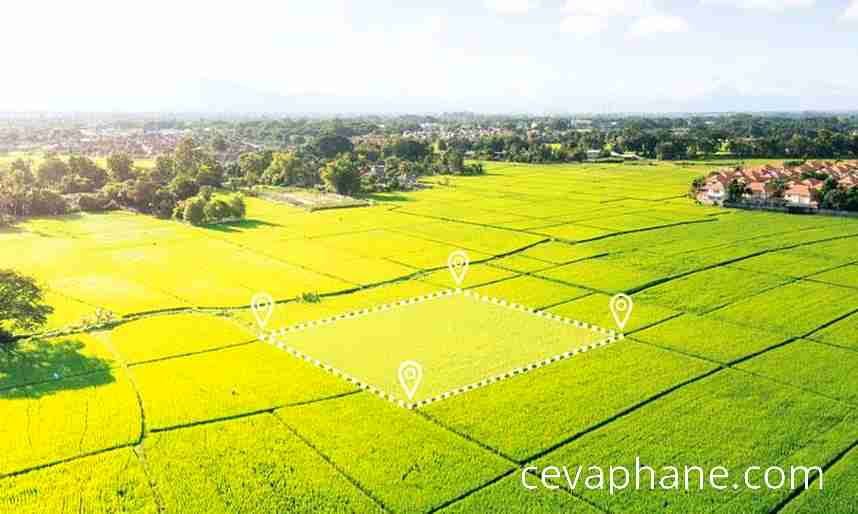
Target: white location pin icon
{"type": "Point", "coordinates": [457, 263]}
{"type": "Point", "coordinates": [410, 376]}
{"type": "Point", "coordinates": [263, 307]}
{"type": "Point", "coordinates": [621, 308]}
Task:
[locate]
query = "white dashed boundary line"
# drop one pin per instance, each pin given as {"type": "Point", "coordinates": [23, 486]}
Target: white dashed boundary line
{"type": "Point", "coordinates": [275, 337]}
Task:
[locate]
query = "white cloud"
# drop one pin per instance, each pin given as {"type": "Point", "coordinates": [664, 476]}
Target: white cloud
{"type": "Point", "coordinates": [764, 5]}
{"type": "Point", "coordinates": [658, 24]}
{"type": "Point", "coordinates": [851, 13]}
{"type": "Point", "coordinates": [584, 26]}
{"type": "Point", "coordinates": [511, 6]}
{"type": "Point", "coordinates": [609, 8]}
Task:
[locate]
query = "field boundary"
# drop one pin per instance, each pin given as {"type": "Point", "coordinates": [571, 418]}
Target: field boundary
{"type": "Point", "coordinates": [274, 338]}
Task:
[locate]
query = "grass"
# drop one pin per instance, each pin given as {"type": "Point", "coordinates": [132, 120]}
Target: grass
{"type": "Point", "coordinates": [228, 383]}
{"type": "Point", "coordinates": [827, 370]}
{"type": "Point", "coordinates": [65, 418]}
{"type": "Point", "coordinates": [108, 482]}
{"type": "Point", "coordinates": [779, 309]}
{"type": "Point", "coordinates": [710, 337]}
{"type": "Point", "coordinates": [231, 424]}
{"type": "Point", "coordinates": [730, 419]}
{"type": "Point", "coordinates": [711, 289]}
{"type": "Point", "coordinates": [457, 339]}
{"type": "Point", "coordinates": [39, 360]}
{"type": "Point", "coordinates": [252, 465]}
{"type": "Point", "coordinates": [167, 336]}
{"type": "Point", "coordinates": [838, 492]}
{"type": "Point", "coordinates": [410, 464]}
{"type": "Point", "coordinates": [566, 398]}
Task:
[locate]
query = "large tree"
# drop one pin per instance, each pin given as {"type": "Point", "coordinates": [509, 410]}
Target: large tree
{"type": "Point", "coordinates": [22, 306]}
{"type": "Point", "coordinates": [120, 167]}
{"type": "Point", "coordinates": [343, 175]}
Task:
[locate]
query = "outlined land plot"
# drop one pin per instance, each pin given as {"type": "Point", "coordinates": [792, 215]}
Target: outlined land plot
{"type": "Point", "coordinates": [461, 339]}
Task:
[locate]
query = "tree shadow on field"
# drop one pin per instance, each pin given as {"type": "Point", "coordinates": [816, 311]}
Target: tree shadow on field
{"type": "Point", "coordinates": [37, 368]}
{"type": "Point", "coordinates": [241, 225]}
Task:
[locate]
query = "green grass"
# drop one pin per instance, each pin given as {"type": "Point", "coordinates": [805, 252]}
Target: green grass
{"type": "Point", "coordinates": [794, 309]}
{"type": "Point", "coordinates": [411, 464]}
{"type": "Point", "coordinates": [823, 369]}
{"type": "Point", "coordinates": [39, 360]}
{"type": "Point", "coordinates": [458, 340]}
{"type": "Point", "coordinates": [64, 418]}
{"type": "Point", "coordinates": [547, 406]}
{"type": "Point", "coordinates": [108, 482]}
{"type": "Point", "coordinates": [730, 419]}
{"type": "Point", "coordinates": [711, 289]}
{"type": "Point", "coordinates": [532, 291]}
{"type": "Point", "coordinates": [208, 391]}
{"type": "Point", "coordinates": [596, 309]}
{"type": "Point", "coordinates": [710, 337]}
{"type": "Point", "coordinates": [839, 490]}
{"type": "Point", "coordinates": [508, 495]}
{"type": "Point", "coordinates": [166, 336]}
{"type": "Point", "coordinates": [842, 333]}
{"type": "Point", "coordinates": [228, 383]}
{"type": "Point", "coordinates": [247, 465]}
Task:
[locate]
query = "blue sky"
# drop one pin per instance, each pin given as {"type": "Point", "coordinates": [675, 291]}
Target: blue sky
{"type": "Point", "coordinates": [385, 55]}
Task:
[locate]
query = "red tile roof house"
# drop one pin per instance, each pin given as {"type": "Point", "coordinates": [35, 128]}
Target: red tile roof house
{"type": "Point", "coordinates": [800, 195]}
{"type": "Point", "coordinates": [760, 191]}
{"type": "Point", "coordinates": [714, 191]}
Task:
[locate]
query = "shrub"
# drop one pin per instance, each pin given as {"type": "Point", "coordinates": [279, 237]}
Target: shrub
{"type": "Point", "coordinates": [310, 297]}
{"type": "Point", "coordinates": [216, 209]}
{"type": "Point", "coordinates": [236, 203]}
{"type": "Point", "coordinates": [42, 202]}
{"type": "Point", "coordinates": [95, 202]}
{"type": "Point", "coordinates": [194, 210]}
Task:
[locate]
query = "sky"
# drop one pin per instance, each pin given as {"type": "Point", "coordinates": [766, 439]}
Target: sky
{"type": "Point", "coordinates": [534, 56]}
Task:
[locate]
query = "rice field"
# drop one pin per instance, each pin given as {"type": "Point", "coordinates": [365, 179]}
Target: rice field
{"type": "Point", "coordinates": [740, 351]}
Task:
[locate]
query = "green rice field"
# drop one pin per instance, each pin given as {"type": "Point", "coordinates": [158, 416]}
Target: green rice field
{"type": "Point", "coordinates": [740, 351]}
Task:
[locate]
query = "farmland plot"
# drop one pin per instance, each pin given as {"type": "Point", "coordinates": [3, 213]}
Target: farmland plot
{"type": "Point", "coordinates": [459, 338]}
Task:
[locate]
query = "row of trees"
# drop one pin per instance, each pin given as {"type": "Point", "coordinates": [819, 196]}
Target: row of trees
{"type": "Point", "coordinates": [56, 186]}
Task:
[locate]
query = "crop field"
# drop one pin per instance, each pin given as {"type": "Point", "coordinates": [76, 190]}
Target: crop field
{"type": "Point", "coordinates": [740, 350]}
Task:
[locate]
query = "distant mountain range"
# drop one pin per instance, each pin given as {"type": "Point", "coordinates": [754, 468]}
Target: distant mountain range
{"type": "Point", "coordinates": [229, 98]}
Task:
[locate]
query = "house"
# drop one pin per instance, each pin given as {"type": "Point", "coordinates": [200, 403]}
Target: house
{"type": "Point", "coordinates": [761, 191]}
{"type": "Point", "coordinates": [714, 191]}
{"type": "Point", "coordinates": [800, 195]}
{"type": "Point", "coordinates": [592, 155]}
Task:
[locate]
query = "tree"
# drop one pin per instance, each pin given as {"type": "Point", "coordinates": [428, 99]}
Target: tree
{"type": "Point", "coordinates": [219, 144]}
{"type": "Point", "coordinates": [736, 190]}
{"type": "Point", "coordinates": [288, 169]}
{"type": "Point", "coordinates": [236, 203]}
{"type": "Point", "coordinates": [217, 209]}
{"type": "Point", "coordinates": [22, 304]}
{"type": "Point", "coordinates": [331, 145]}
{"type": "Point", "coordinates": [194, 210]}
{"type": "Point", "coordinates": [51, 172]}
{"type": "Point", "coordinates": [90, 175]}
{"type": "Point", "coordinates": [165, 168]}
{"type": "Point", "coordinates": [210, 175]}
{"type": "Point", "coordinates": [186, 156]}
{"type": "Point", "coordinates": [253, 165]}
{"type": "Point", "coordinates": [183, 187]}
{"type": "Point", "coordinates": [342, 175]}
{"type": "Point", "coordinates": [696, 185]}
{"type": "Point", "coordinates": [120, 167]}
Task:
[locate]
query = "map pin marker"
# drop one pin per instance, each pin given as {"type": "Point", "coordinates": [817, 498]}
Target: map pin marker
{"type": "Point", "coordinates": [263, 307]}
{"type": "Point", "coordinates": [621, 308]}
{"type": "Point", "coordinates": [410, 375]}
{"type": "Point", "coordinates": [458, 263]}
